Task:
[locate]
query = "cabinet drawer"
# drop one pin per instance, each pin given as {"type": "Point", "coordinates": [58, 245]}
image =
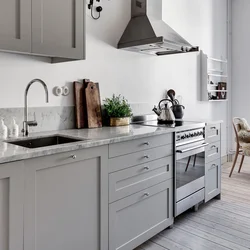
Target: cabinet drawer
{"type": "Point", "coordinates": [213, 133]}
{"type": "Point", "coordinates": [132, 146]}
{"type": "Point", "coordinates": [137, 218]}
{"type": "Point", "coordinates": [212, 179]}
{"type": "Point", "coordinates": [131, 180]}
{"type": "Point", "coordinates": [126, 161]}
{"type": "Point", "coordinates": [213, 151]}
{"type": "Point", "coordinates": [66, 157]}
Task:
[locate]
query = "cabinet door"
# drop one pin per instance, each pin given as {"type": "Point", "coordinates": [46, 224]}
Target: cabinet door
{"type": "Point", "coordinates": [66, 201]}
{"type": "Point", "coordinates": [15, 25]}
{"type": "Point", "coordinates": [58, 28]}
{"type": "Point", "coordinates": [11, 206]}
{"type": "Point", "coordinates": [212, 179]}
{"type": "Point", "coordinates": [137, 218]}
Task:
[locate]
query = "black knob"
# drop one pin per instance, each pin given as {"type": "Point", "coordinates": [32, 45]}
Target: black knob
{"type": "Point", "coordinates": [99, 8]}
{"type": "Point", "coordinates": [192, 135]}
{"type": "Point", "coordinates": [183, 137]}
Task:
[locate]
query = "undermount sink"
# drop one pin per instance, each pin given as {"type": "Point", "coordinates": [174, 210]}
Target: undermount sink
{"type": "Point", "coordinates": [44, 141]}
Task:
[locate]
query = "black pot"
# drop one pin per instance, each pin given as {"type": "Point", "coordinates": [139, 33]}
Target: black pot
{"type": "Point", "coordinates": [178, 111]}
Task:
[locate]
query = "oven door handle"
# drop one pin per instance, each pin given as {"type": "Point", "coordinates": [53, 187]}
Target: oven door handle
{"type": "Point", "coordinates": [190, 149]}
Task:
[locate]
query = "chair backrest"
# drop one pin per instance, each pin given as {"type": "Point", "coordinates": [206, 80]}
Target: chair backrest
{"type": "Point", "coordinates": [236, 127]}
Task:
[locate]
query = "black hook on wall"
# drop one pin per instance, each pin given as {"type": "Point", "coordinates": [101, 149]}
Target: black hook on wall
{"type": "Point", "coordinates": [98, 9]}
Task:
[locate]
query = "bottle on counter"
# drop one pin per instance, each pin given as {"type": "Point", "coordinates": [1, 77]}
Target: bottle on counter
{"type": "Point", "coordinates": [3, 130]}
{"type": "Point", "coordinates": [14, 129]}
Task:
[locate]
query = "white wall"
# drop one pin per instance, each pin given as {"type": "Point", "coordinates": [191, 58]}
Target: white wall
{"type": "Point", "coordinates": [240, 58]}
{"type": "Point", "coordinates": [140, 78]}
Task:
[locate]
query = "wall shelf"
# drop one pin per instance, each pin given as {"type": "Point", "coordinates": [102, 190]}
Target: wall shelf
{"type": "Point", "coordinates": [213, 71]}
{"type": "Point", "coordinates": [217, 75]}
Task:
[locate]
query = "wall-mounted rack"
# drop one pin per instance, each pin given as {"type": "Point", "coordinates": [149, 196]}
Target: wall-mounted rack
{"type": "Point", "coordinates": [214, 77]}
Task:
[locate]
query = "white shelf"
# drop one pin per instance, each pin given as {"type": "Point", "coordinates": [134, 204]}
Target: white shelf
{"type": "Point", "coordinates": [211, 90]}
{"type": "Point", "coordinates": [212, 70]}
{"type": "Point", "coordinates": [215, 70]}
{"type": "Point", "coordinates": [217, 75]}
{"type": "Point", "coordinates": [219, 100]}
{"type": "Point", "coordinates": [217, 60]}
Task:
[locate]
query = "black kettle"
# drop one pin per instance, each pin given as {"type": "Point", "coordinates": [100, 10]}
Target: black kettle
{"type": "Point", "coordinates": [178, 111]}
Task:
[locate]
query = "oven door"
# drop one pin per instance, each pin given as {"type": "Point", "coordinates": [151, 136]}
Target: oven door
{"type": "Point", "coordinates": [190, 169]}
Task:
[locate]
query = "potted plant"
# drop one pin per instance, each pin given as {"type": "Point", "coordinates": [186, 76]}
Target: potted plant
{"type": "Point", "coordinates": [118, 110]}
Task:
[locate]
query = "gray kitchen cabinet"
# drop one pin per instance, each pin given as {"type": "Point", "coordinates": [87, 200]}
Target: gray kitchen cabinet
{"type": "Point", "coordinates": [213, 179]}
{"type": "Point", "coordinates": [136, 218]}
{"type": "Point", "coordinates": [66, 201]}
{"type": "Point", "coordinates": [58, 28]}
{"type": "Point", "coordinates": [15, 26]}
{"type": "Point", "coordinates": [11, 206]}
{"type": "Point", "coordinates": [213, 162]}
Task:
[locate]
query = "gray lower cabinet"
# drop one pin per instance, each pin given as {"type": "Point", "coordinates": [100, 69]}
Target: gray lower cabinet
{"type": "Point", "coordinates": [136, 218]}
{"type": "Point", "coordinates": [15, 25]}
{"type": "Point", "coordinates": [213, 179]}
{"type": "Point", "coordinates": [58, 28]}
{"type": "Point", "coordinates": [11, 206]}
{"type": "Point", "coordinates": [213, 162]}
{"type": "Point", "coordinates": [66, 201]}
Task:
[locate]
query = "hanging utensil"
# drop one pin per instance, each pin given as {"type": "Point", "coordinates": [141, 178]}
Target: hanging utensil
{"type": "Point", "coordinates": [171, 94]}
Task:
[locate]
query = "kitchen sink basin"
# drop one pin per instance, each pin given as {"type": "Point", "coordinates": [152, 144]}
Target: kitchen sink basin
{"type": "Point", "coordinates": [44, 141]}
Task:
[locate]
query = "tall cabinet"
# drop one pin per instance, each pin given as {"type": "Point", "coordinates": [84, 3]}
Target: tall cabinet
{"type": "Point", "coordinates": [15, 25]}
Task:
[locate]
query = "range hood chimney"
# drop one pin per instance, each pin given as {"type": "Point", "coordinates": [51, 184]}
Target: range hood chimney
{"type": "Point", "coordinates": [147, 33]}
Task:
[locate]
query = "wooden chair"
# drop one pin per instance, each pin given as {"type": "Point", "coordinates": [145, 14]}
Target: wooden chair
{"type": "Point", "coordinates": [239, 150]}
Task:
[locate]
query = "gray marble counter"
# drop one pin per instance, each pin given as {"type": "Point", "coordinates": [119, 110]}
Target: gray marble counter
{"type": "Point", "coordinates": [89, 137]}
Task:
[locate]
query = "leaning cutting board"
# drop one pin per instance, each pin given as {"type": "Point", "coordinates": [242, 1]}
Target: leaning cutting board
{"type": "Point", "coordinates": [93, 104]}
{"type": "Point", "coordinates": [79, 105]}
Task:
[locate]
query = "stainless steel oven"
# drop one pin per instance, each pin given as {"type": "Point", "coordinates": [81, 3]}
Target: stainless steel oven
{"type": "Point", "coordinates": [189, 169]}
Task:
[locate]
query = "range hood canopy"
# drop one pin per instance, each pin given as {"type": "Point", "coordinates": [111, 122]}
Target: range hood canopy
{"type": "Point", "coordinates": [147, 33]}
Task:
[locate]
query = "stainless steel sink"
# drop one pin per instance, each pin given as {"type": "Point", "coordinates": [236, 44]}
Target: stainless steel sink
{"type": "Point", "coordinates": [44, 141]}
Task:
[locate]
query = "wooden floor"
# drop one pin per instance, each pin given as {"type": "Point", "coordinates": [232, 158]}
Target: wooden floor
{"type": "Point", "coordinates": [220, 224]}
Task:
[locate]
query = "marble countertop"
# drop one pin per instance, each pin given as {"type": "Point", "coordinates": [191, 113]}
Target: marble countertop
{"type": "Point", "coordinates": [89, 137]}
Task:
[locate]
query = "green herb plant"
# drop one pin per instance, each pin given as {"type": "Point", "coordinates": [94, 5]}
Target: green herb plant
{"type": "Point", "coordinates": [117, 107]}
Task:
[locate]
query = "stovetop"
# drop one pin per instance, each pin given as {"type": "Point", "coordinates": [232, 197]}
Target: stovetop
{"type": "Point", "coordinates": [155, 123]}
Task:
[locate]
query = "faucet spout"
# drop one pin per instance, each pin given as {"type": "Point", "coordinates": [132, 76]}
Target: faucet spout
{"type": "Point", "coordinates": [27, 123]}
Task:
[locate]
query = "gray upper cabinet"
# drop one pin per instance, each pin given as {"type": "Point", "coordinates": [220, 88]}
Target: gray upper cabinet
{"type": "Point", "coordinates": [15, 26]}
{"type": "Point", "coordinates": [58, 28]}
{"type": "Point", "coordinates": [48, 28]}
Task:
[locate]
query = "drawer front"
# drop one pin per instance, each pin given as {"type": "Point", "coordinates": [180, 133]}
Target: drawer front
{"type": "Point", "coordinates": [213, 151]}
{"type": "Point", "coordinates": [68, 157]}
{"type": "Point", "coordinates": [190, 201]}
{"type": "Point", "coordinates": [137, 218]}
{"type": "Point", "coordinates": [132, 146]}
{"type": "Point", "coordinates": [132, 180]}
{"type": "Point", "coordinates": [213, 133]}
{"type": "Point", "coordinates": [212, 179]}
{"type": "Point", "coordinates": [145, 156]}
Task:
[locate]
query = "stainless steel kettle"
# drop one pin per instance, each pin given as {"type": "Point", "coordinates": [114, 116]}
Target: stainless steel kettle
{"type": "Point", "coordinates": [164, 112]}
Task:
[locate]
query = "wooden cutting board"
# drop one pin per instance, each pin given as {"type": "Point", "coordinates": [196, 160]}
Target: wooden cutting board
{"type": "Point", "coordinates": [93, 104]}
{"type": "Point", "coordinates": [79, 105]}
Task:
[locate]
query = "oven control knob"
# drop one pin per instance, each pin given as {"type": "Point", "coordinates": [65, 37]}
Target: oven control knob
{"type": "Point", "coordinates": [183, 137]}
{"type": "Point", "coordinates": [195, 134]}
{"type": "Point", "coordinates": [189, 135]}
{"type": "Point", "coordinates": [192, 135]}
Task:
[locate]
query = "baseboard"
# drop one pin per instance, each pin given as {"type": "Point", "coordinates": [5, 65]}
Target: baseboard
{"type": "Point", "coordinates": [225, 159]}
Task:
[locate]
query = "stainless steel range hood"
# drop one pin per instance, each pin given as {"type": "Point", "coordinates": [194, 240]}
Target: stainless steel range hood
{"type": "Point", "coordinates": [147, 33]}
